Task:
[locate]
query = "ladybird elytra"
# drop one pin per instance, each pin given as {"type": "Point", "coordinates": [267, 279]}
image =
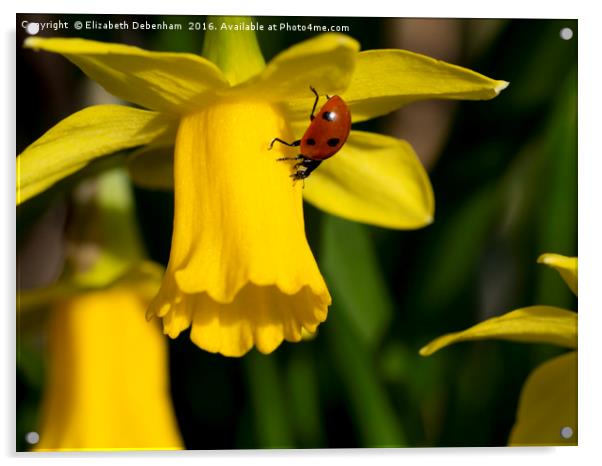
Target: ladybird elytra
{"type": "Point", "coordinates": [324, 137]}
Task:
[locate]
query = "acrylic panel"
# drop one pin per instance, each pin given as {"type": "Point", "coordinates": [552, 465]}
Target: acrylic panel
{"type": "Point", "coordinates": [295, 232]}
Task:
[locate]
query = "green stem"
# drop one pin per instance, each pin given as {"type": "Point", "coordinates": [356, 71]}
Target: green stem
{"type": "Point", "coordinates": [108, 222]}
{"type": "Point", "coordinates": [118, 219]}
{"type": "Point", "coordinates": [232, 45]}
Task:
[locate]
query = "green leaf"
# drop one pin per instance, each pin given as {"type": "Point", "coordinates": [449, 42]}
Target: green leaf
{"type": "Point", "coordinates": [304, 403]}
{"type": "Point", "coordinates": [272, 420]}
{"type": "Point", "coordinates": [355, 279]}
{"type": "Point", "coordinates": [558, 214]}
{"type": "Point", "coordinates": [455, 249]}
{"type": "Point", "coordinates": [374, 415]}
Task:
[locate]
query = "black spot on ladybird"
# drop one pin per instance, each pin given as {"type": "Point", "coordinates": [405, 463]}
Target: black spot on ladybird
{"type": "Point", "coordinates": [333, 142]}
{"type": "Point", "coordinates": [329, 116]}
{"type": "Point", "coordinates": [310, 142]}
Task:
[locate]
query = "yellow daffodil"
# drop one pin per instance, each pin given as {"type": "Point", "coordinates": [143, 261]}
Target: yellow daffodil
{"type": "Point", "coordinates": [240, 269]}
{"type": "Point", "coordinates": [547, 409]}
{"type": "Point", "coordinates": [107, 381]}
{"type": "Point", "coordinates": [107, 374]}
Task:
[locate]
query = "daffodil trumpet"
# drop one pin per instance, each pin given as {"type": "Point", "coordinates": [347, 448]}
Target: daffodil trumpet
{"type": "Point", "coordinates": [107, 387]}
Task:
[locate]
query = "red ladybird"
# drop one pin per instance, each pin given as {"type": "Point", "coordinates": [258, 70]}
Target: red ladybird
{"type": "Point", "coordinates": [323, 138]}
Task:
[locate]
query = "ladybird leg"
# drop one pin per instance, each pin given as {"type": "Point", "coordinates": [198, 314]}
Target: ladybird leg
{"type": "Point", "coordinates": [290, 144]}
{"type": "Point", "coordinates": [311, 116]}
{"type": "Point", "coordinates": [298, 157]}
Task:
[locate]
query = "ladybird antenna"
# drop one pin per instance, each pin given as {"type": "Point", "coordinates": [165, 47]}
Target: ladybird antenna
{"type": "Point", "coordinates": [311, 116]}
{"type": "Point", "coordinates": [290, 144]}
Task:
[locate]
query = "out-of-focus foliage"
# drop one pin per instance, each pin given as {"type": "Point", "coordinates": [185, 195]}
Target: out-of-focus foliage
{"type": "Point", "coordinates": [505, 187]}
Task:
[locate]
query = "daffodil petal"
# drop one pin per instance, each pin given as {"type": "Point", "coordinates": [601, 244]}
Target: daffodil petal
{"type": "Point", "coordinates": [565, 266]}
{"type": "Point", "coordinates": [240, 269]}
{"type": "Point", "coordinates": [325, 62]}
{"type": "Point", "coordinates": [151, 167]}
{"type": "Point", "coordinates": [547, 409]}
{"type": "Point", "coordinates": [535, 324]}
{"type": "Point", "coordinates": [165, 81]}
{"type": "Point", "coordinates": [82, 137]}
{"type": "Point", "coordinates": [385, 80]}
{"type": "Point", "coordinates": [374, 179]}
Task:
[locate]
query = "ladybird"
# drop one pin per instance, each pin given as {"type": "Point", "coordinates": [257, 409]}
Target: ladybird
{"type": "Point", "coordinates": [324, 137]}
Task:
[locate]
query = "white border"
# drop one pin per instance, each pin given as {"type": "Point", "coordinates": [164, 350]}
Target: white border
{"type": "Point", "coordinates": [590, 103]}
{"type": "Point", "coordinates": [422, 8]}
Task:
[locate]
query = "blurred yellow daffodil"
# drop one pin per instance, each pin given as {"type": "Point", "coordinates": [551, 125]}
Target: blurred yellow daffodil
{"type": "Point", "coordinates": [107, 371]}
{"type": "Point", "coordinates": [547, 409]}
{"type": "Point", "coordinates": [240, 269]}
{"type": "Point", "coordinates": [107, 385]}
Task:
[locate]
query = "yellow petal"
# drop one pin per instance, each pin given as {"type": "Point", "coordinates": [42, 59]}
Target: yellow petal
{"type": "Point", "coordinates": [374, 179]}
{"type": "Point", "coordinates": [82, 137]}
{"type": "Point", "coordinates": [107, 385]}
{"type": "Point", "coordinates": [535, 324]}
{"type": "Point", "coordinates": [240, 268]}
{"type": "Point", "coordinates": [307, 335]}
{"type": "Point", "coordinates": [325, 62]}
{"type": "Point", "coordinates": [385, 80]}
{"type": "Point", "coordinates": [166, 81]}
{"type": "Point", "coordinates": [566, 267]}
{"type": "Point", "coordinates": [547, 407]}
{"type": "Point", "coordinates": [151, 167]}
